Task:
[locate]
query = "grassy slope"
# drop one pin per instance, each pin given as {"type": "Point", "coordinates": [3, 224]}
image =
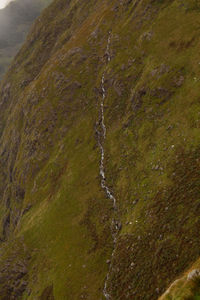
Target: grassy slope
{"type": "Point", "coordinates": [57, 218]}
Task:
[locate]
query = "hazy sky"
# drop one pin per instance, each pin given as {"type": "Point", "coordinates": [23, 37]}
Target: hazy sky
{"type": "Point", "coordinates": [3, 3]}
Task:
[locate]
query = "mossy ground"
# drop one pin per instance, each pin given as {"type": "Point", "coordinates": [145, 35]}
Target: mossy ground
{"type": "Point", "coordinates": [50, 157]}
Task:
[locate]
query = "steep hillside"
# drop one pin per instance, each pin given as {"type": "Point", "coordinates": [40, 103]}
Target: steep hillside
{"type": "Point", "coordinates": [15, 22]}
{"type": "Point", "coordinates": [99, 152]}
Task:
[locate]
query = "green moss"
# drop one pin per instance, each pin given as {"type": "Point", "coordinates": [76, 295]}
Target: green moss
{"type": "Point", "coordinates": [50, 156]}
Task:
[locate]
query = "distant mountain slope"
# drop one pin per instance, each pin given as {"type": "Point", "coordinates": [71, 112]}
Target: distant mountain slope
{"type": "Point", "coordinates": [15, 22]}
{"type": "Point", "coordinates": [100, 154]}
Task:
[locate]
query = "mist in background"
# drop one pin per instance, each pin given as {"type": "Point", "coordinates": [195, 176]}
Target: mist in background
{"type": "Point", "coordinates": [3, 3]}
{"type": "Point", "coordinates": [15, 21]}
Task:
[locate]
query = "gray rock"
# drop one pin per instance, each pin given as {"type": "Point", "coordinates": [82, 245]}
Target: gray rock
{"type": "Point", "coordinates": [193, 274]}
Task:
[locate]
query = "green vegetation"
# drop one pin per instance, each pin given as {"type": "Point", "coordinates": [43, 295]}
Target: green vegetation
{"type": "Point", "coordinates": [55, 218]}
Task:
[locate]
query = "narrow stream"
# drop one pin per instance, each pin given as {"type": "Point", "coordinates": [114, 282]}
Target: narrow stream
{"type": "Point", "coordinates": [115, 225]}
{"type": "Point", "coordinates": [101, 146]}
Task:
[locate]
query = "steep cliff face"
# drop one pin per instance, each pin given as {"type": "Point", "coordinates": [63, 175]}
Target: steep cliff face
{"type": "Point", "coordinates": [99, 153]}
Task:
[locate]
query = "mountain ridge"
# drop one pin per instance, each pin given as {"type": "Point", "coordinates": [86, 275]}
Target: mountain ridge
{"type": "Point", "coordinates": [15, 21]}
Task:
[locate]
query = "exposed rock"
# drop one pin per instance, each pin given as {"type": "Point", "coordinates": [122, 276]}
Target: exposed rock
{"type": "Point", "coordinates": [137, 99]}
{"type": "Point", "coordinates": [194, 274]}
{"type": "Point", "coordinates": [147, 36]}
{"type": "Point", "coordinates": [179, 81]}
{"type": "Point", "coordinates": [161, 93]}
